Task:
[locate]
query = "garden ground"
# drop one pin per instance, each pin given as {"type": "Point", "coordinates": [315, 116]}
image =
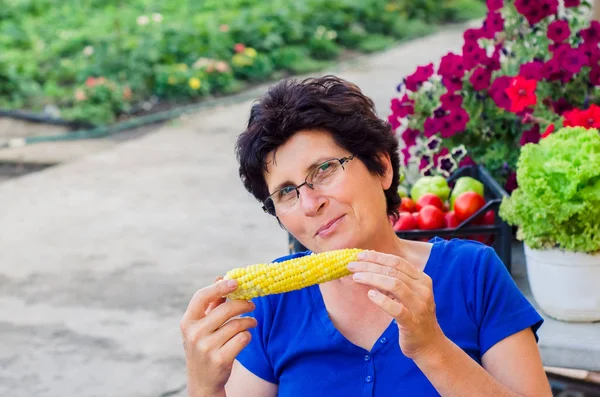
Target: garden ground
{"type": "Point", "coordinates": [101, 254]}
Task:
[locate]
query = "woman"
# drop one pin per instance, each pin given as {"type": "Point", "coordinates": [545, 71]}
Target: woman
{"type": "Point", "coordinates": [414, 319]}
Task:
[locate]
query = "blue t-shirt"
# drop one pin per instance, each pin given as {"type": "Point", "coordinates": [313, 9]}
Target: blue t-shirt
{"type": "Point", "coordinates": [296, 346]}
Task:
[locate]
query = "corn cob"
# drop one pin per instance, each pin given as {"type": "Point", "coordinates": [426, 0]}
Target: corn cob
{"type": "Point", "coordinates": [275, 278]}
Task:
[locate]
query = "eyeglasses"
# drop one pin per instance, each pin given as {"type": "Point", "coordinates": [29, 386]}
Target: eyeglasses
{"type": "Point", "coordinates": [325, 174]}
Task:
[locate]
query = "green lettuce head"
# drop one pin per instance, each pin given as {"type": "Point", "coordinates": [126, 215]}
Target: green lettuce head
{"type": "Point", "coordinates": [557, 203]}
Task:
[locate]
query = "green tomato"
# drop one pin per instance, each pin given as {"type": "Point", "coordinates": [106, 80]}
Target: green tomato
{"type": "Point", "coordinates": [465, 184]}
{"type": "Point", "coordinates": [430, 184]}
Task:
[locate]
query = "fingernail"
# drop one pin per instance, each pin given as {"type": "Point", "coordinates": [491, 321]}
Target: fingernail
{"type": "Point", "coordinates": [352, 266]}
{"type": "Point", "coordinates": [358, 276]}
{"type": "Point", "coordinates": [231, 283]}
{"type": "Point", "coordinates": [361, 255]}
{"type": "Point", "coordinates": [372, 293]}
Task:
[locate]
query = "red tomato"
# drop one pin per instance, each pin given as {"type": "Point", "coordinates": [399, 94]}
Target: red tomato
{"type": "Point", "coordinates": [430, 199]}
{"type": "Point", "coordinates": [408, 205]}
{"type": "Point", "coordinates": [489, 218]}
{"type": "Point", "coordinates": [431, 217]}
{"type": "Point", "coordinates": [467, 204]}
{"type": "Point", "coordinates": [416, 218]}
{"type": "Point", "coordinates": [405, 222]}
{"type": "Point", "coordinates": [451, 220]}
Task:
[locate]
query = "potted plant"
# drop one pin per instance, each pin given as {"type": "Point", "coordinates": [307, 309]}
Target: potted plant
{"type": "Point", "coordinates": [557, 211]}
{"type": "Point", "coordinates": [513, 78]}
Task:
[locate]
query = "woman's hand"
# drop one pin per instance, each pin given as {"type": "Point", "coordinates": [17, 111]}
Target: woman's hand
{"type": "Point", "coordinates": [212, 339]}
{"type": "Point", "coordinates": [406, 293]}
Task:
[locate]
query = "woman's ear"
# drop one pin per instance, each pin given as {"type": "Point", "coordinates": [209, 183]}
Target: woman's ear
{"type": "Point", "coordinates": [386, 178]}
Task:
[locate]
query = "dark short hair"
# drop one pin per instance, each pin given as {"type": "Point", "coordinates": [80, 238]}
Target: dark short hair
{"type": "Point", "coordinates": [330, 104]}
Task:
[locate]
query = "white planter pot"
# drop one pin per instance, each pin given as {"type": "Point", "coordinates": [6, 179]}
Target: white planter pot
{"type": "Point", "coordinates": [566, 285]}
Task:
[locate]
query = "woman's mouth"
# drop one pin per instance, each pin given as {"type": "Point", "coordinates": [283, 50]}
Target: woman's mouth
{"type": "Point", "coordinates": [329, 227]}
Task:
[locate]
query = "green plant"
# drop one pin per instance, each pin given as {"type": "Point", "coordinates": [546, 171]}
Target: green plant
{"type": "Point", "coordinates": [557, 203]}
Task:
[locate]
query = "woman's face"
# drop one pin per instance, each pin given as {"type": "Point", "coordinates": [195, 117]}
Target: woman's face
{"type": "Point", "coordinates": [348, 212]}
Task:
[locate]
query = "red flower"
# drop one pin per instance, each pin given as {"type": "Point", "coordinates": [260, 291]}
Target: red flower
{"type": "Point", "coordinates": [521, 93]}
{"type": "Point", "coordinates": [548, 131]}
{"type": "Point", "coordinates": [495, 5]}
{"type": "Point", "coordinates": [572, 3]}
{"type": "Point", "coordinates": [481, 78]}
{"type": "Point", "coordinates": [558, 31]}
{"type": "Point", "coordinates": [422, 74]}
{"type": "Point", "coordinates": [589, 118]}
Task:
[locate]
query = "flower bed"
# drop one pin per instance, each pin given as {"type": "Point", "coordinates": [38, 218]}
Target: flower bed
{"type": "Point", "coordinates": [101, 61]}
{"type": "Point", "coordinates": [532, 66]}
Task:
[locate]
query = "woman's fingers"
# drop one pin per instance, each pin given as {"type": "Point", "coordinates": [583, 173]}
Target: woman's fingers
{"type": "Point", "coordinates": [229, 330]}
{"type": "Point", "coordinates": [234, 346]}
{"type": "Point", "coordinates": [224, 313]}
{"type": "Point", "coordinates": [393, 307]}
{"type": "Point", "coordinates": [202, 299]}
{"type": "Point", "coordinates": [214, 304]}
{"type": "Point", "coordinates": [390, 261]}
{"type": "Point", "coordinates": [391, 285]}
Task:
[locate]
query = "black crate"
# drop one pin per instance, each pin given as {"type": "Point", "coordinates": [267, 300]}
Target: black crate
{"type": "Point", "coordinates": [499, 235]}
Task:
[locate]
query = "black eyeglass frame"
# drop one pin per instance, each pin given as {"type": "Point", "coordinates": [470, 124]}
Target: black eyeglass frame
{"type": "Point", "coordinates": [265, 207]}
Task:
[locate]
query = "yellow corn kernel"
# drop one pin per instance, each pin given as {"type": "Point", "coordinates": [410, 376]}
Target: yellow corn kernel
{"type": "Point", "coordinates": [275, 278]}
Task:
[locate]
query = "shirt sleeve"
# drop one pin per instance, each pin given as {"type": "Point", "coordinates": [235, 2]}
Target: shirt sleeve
{"type": "Point", "coordinates": [501, 308]}
{"type": "Point", "coordinates": [254, 356]}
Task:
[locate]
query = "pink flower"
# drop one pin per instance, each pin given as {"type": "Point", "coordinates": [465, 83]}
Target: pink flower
{"type": "Point", "coordinates": [473, 54]}
{"type": "Point", "coordinates": [450, 101]}
{"type": "Point", "coordinates": [394, 121]}
{"type": "Point", "coordinates": [451, 65]}
{"type": "Point", "coordinates": [531, 135]}
{"type": "Point", "coordinates": [409, 136]}
{"type": "Point", "coordinates": [466, 161]}
{"type": "Point", "coordinates": [595, 75]}
{"type": "Point", "coordinates": [572, 3]}
{"type": "Point", "coordinates": [571, 60]}
{"type": "Point", "coordinates": [422, 74]}
{"type": "Point", "coordinates": [403, 107]}
{"type": "Point", "coordinates": [473, 34]}
{"type": "Point", "coordinates": [495, 5]}
{"type": "Point", "coordinates": [481, 78]}
{"type": "Point", "coordinates": [498, 92]}
{"type": "Point", "coordinates": [531, 70]}
{"type": "Point", "coordinates": [536, 10]}
{"type": "Point", "coordinates": [452, 83]}
{"type": "Point", "coordinates": [493, 24]}
{"type": "Point", "coordinates": [591, 35]}
{"type": "Point", "coordinates": [459, 119]}
{"type": "Point", "coordinates": [431, 126]}
{"type": "Point", "coordinates": [559, 31]}
{"type": "Point", "coordinates": [405, 155]}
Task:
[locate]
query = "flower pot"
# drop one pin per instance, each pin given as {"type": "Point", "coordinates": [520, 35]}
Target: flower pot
{"type": "Point", "coordinates": [566, 285]}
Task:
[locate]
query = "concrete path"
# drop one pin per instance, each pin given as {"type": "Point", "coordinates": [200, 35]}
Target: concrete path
{"type": "Point", "coordinates": [100, 255]}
